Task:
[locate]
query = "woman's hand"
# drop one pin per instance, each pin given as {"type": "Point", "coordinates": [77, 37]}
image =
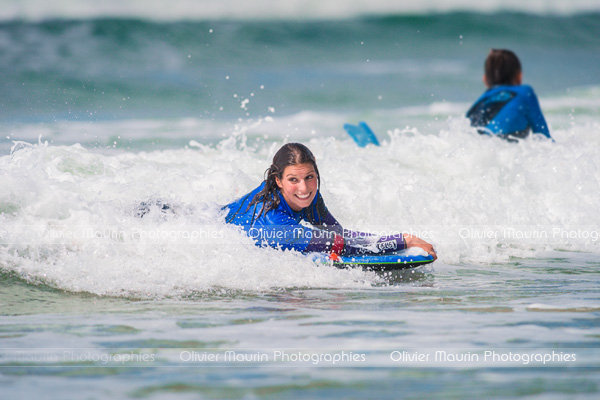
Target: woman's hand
{"type": "Point", "coordinates": [413, 241]}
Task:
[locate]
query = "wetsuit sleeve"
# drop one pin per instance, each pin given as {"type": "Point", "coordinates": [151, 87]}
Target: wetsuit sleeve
{"type": "Point", "coordinates": [325, 242]}
{"type": "Point", "coordinates": [329, 223]}
{"type": "Point", "coordinates": [329, 233]}
{"type": "Point", "coordinates": [279, 230]}
{"type": "Point", "coordinates": [283, 232]}
{"type": "Point", "coordinates": [320, 217]}
{"type": "Point", "coordinates": [364, 243]}
{"type": "Point", "coordinates": [356, 243]}
{"type": "Point", "coordinates": [535, 116]}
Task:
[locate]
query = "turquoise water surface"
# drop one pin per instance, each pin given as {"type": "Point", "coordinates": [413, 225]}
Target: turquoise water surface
{"type": "Point", "coordinates": [104, 107]}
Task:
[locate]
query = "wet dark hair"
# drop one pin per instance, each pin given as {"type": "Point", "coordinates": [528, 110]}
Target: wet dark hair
{"type": "Point", "coordinates": [501, 67]}
{"type": "Point", "coordinates": [288, 154]}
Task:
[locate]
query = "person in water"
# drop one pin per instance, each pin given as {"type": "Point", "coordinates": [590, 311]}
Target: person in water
{"type": "Point", "coordinates": [507, 109]}
{"type": "Point", "coordinates": [276, 213]}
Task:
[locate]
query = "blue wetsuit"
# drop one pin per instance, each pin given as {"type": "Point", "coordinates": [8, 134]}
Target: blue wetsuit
{"type": "Point", "coordinates": [508, 110]}
{"type": "Point", "coordinates": [313, 229]}
{"type": "Point", "coordinates": [281, 226]}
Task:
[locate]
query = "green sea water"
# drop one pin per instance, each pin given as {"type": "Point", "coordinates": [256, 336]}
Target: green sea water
{"type": "Point", "coordinates": [98, 114]}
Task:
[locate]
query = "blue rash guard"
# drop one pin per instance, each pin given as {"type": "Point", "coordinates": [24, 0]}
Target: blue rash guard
{"type": "Point", "coordinates": [508, 110]}
{"type": "Point", "coordinates": [282, 227]}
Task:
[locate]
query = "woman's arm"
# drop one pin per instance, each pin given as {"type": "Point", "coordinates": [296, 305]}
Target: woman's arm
{"type": "Point", "coordinates": [352, 242]}
{"type": "Point", "coordinates": [535, 115]}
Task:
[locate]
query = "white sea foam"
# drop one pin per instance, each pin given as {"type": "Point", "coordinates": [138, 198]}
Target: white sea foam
{"type": "Point", "coordinates": [68, 218]}
{"type": "Point", "coordinates": [68, 213]}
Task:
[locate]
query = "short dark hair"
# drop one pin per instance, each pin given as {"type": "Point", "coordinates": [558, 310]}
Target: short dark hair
{"type": "Point", "coordinates": [501, 67]}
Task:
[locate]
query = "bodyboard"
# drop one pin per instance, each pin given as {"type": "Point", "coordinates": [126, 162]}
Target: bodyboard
{"type": "Point", "coordinates": [383, 262]}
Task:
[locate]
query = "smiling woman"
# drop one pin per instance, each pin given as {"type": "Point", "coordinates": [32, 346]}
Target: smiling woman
{"type": "Point", "coordinates": [277, 212]}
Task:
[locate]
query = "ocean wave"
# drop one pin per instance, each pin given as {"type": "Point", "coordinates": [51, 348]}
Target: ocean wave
{"type": "Point", "coordinates": [35, 10]}
{"type": "Point", "coordinates": [106, 69]}
{"type": "Point", "coordinates": [68, 214]}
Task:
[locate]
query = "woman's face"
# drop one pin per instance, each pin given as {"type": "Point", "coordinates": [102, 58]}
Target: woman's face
{"type": "Point", "coordinates": [298, 184]}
